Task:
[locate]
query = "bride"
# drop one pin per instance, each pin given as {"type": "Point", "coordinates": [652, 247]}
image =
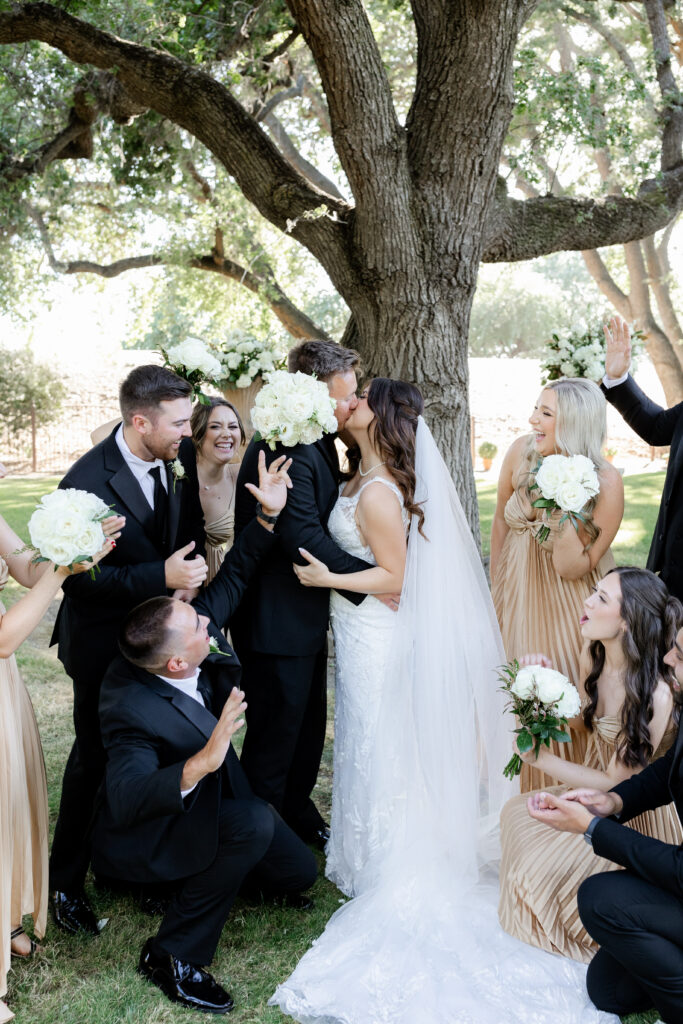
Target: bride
{"type": "Point", "coordinates": [419, 751]}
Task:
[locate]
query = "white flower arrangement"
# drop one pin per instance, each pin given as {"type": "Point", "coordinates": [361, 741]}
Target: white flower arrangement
{"type": "Point", "coordinates": [192, 360]}
{"type": "Point", "coordinates": [581, 353]}
{"type": "Point", "coordinates": [566, 482]}
{"type": "Point", "coordinates": [542, 699]}
{"type": "Point", "coordinates": [66, 527]}
{"type": "Point", "coordinates": [293, 408]}
{"type": "Point", "coordinates": [245, 357]}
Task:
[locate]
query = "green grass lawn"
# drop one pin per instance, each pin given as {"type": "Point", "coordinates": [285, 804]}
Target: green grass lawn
{"type": "Point", "coordinates": [85, 981]}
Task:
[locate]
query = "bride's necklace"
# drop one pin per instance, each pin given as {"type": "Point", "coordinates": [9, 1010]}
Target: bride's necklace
{"type": "Point", "coordinates": [368, 471]}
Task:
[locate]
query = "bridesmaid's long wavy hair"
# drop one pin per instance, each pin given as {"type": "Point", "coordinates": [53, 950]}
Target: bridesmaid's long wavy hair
{"type": "Point", "coordinates": [580, 429]}
{"type": "Point", "coordinates": [652, 618]}
{"type": "Point", "coordinates": [397, 406]}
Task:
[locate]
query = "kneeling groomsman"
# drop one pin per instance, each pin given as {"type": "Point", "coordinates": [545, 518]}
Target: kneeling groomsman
{"type": "Point", "coordinates": [635, 915]}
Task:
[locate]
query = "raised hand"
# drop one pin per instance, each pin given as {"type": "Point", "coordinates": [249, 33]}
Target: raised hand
{"type": "Point", "coordinates": [535, 659]}
{"type": "Point", "coordinates": [273, 483]}
{"type": "Point", "coordinates": [212, 755]}
{"type": "Point", "coordinates": [599, 803]}
{"type": "Point", "coordinates": [618, 355]}
{"type": "Point", "coordinates": [315, 574]}
{"type": "Point", "coordinates": [182, 574]}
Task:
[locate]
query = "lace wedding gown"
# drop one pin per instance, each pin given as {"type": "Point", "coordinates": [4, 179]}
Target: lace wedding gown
{"type": "Point", "coordinates": [418, 786]}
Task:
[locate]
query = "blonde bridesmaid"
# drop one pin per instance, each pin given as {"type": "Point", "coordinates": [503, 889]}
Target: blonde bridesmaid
{"type": "Point", "coordinates": [23, 792]}
{"type": "Point", "coordinates": [218, 435]}
{"type": "Point", "coordinates": [628, 625]}
{"type": "Point", "coordinates": [539, 588]}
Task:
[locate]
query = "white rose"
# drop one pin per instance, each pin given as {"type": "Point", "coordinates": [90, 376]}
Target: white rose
{"type": "Point", "coordinates": [569, 704]}
{"type": "Point", "coordinates": [571, 496]}
{"type": "Point", "coordinates": [568, 368]}
{"type": "Point", "coordinates": [551, 473]}
{"type": "Point", "coordinates": [233, 360]}
{"type": "Point", "coordinates": [523, 686]}
{"type": "Point", "coordinates": [59, 551]}
{"type": "Point", "coordinates": [550, 685]}
{"type": "Point", "coordinates": [91, 539]}
{"type": "Point", "coordinates": [243, 381]}
{"type": "Point", "coordinates": [254, 366]}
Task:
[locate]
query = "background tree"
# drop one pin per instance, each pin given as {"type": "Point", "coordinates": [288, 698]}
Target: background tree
{"type": "Point", "coordinates": [28, 388]}
{"type": "Point", "coordinates": [420, 203]}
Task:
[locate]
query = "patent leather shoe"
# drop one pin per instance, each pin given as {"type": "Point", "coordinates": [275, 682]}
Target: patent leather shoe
{"type": "Point", "coordinates": [319, 838]}
{"type": "Point", "coordinates": [183, 983]}
{"type": "Point", "coordinates": [72, 913]}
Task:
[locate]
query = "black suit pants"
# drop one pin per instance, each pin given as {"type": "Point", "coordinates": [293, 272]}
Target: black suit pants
{"type": "Point", "coordinates": [640, 931]}
{"type": "Point", "coordinates": [70, 855]}
{"type": "Point", "coordinates": [286, 719]}
{"type": "Point", "coordinates": [253, 842]}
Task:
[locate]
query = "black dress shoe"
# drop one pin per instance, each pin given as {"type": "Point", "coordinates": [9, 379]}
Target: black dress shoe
{"type": "Point", "coordinates": [319, 838]}
{"type": "Point", "coordinates": [72, 913]}
{"type": "Point", "coordinates": [294, 901]}
{"type": "Point", "coordinates": [182, 982]}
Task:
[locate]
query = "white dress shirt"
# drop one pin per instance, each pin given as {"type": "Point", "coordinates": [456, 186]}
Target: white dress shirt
{"type": "Point", "coordinates": [190, 688]}
{"type": "Point", "coordinates": [139, 468]}
{"type": "Point", "coordinates": [613, 382]}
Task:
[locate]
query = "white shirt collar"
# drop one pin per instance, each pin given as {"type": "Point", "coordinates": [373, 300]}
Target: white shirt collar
{"type": "Point", "coordinates": [187, 686]}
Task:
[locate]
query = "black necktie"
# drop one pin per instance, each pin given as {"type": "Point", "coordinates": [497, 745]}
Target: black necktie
{"type": "Point", "coordinates": [160, 505]}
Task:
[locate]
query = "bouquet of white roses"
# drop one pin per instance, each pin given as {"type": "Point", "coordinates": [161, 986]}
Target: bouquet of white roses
{"type": "Point", "coordinates": [581, 353]}
{"type": "Point", "coordinates": [193, 361]}
{"type": "Point", "coordinates": [66, 527]}
{"type": "Point", "coordinates": [542, 699]}
{"type": "Point", "coordinates": [293, 408]}
{"type": "Point", "coordinates": [566, 482]}
{"type": "Point", "coordinates": [245, 357]}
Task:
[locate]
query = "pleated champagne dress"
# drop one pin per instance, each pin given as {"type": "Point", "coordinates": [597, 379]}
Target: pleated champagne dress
{"type": "Point", "coordinates": [541, 869]}
{"type": "Point", "coordinates": [220, 535]}
{"type": "Point", "coordinates": [23, 810]}
{"type": "Point", "coordinates": [538, 611]}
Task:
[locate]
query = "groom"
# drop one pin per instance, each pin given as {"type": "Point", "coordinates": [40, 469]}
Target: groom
{"type": "Point", "coordinates": [635, 915]}
{"type": "Point", "coordinates": [159, 552]}
{"type": "Point", "coordinates": [280, 628]}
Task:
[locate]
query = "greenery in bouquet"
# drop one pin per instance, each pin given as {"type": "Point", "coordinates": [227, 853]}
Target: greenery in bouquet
{"type": "Point", "coordinates": [192, 360]}
{"type": "Point", "coordinates": [542, 701]}
{"type": "Point", "coordinates": [581, 353]}
{"type": "Point", "coordinates": [244, 357]}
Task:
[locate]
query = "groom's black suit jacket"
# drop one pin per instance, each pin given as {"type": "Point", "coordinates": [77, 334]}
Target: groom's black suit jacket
{"type": "Point", "coordinates": [658, 862]}
{"type": "Point", "coordinates": [92, 610]}
{"type": "Point", "coordinates": [146, 832]}
{"type": "Point", "coordinates": [278, 615]}
{"type": "Point", "coordinates": [659, 427]}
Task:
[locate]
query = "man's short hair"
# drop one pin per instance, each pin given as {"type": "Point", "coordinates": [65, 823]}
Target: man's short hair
{"type": "Point", "coordinates": [322, 358]}
{"type": "Point", "coordinates": [144, 632]}
{"type": "Point", "coordinates": [146, 386]}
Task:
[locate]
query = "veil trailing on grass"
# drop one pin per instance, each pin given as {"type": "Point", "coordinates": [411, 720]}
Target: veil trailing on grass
{"type": "Point", "coordinates": [421, 943]}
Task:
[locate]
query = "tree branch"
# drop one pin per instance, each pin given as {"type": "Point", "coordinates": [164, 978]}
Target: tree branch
{"type": "Point", "coordinates": [606, 283]}
{"type": "Point", "coordinates": [197, 102]}
{"type": "Point", "coordinates": [672, 113]}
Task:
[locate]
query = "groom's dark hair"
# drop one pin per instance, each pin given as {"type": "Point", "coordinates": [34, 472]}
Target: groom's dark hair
{"type": "Point", "coordinates": [146, 386]}
{"type": "Point", "coordinates": [144, 632]}
{"type": "Point", "coordinates": [322, 359]}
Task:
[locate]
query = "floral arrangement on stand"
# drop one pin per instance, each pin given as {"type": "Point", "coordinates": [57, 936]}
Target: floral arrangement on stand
{"type": "Point", "coordinates": [192, 360]}
{"type": "Point", "coordinates": [581, 353]}
{"type": "Point", "coordinates": [245, 357]}
{"type": "Point", "coordinates": [293, 408]}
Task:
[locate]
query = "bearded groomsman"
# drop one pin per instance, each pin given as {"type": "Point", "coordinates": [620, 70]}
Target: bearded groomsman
{"type": "Point", "coordinates": [659, 427]}
{"type": "Point", "coordinates": [160, 552]}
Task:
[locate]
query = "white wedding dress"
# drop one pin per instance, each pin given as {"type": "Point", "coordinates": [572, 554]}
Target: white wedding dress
{"type": "Point", "coordinates": [417, 793]}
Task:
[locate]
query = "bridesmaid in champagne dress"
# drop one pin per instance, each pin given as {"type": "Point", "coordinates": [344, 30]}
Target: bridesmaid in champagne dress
{"type": "Point", "coordinates": [539, 588]}
{"type": "Point", "coordinates": [629, 624]}
{"type": "Point", "coordinates": [23, 792]}
{"type": "Point", "coordinates": [217, 435]}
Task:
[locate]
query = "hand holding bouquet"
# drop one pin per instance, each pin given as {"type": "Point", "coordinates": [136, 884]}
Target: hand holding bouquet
{"type": "Point", "coordinates": [67, 529]}
{"type": "Point", "coordinates": [567, 483]}
{"type": "Point", "coordinates": [293, 408]}
{"type": "Point", "coordinates": [542, 699]}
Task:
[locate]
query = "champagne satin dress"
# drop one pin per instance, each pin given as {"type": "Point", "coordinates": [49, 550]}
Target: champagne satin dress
{"type": "Point", "coordinates": [23, 810]}
{"type": "Point", "coordinates": [541, 869]}
{"type": "Point", "coordinates": [220, 535]}
{"type": "Point", "coordinates": [538, 611]}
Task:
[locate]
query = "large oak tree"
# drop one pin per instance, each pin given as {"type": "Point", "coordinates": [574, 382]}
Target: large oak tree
{"type": "Point", "coordinates": [425, 203]}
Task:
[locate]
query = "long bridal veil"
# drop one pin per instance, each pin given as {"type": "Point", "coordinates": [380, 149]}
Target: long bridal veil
{"type": "Point", "coordinates": [421, 944]}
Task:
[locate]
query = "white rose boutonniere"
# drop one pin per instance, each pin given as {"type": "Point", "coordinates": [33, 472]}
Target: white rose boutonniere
{"type": "Point", "coordinates": [178, 471]}
{"type": "Point", "coordinates": [215, 649]}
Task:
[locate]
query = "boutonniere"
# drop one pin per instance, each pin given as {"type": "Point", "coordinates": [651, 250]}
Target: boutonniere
{"type": "Point", "coordinates": [178, 471]}
{"type": "Point", "coordinates": [215, 649]}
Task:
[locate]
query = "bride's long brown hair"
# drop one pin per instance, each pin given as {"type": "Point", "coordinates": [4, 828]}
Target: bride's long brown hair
{"type": "Point", "coordinates": [397, 406]}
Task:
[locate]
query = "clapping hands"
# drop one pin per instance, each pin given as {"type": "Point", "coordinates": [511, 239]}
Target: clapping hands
{"type": "Point", "coordinates": [618, 354]}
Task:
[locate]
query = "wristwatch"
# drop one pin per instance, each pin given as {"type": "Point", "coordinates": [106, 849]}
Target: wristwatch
{"type": "Point", "coordinates": [271, 520]}
{"type": "Point", "coordinates": [588, 834]}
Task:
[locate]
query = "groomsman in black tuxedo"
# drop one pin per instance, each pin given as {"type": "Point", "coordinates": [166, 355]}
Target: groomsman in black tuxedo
{"type": "Point", "coordinates": [280, 630]}
{"type": "Point", "coordinates": [658, 427]}
{"type": "Point", "coordinates": [635, 915]}
{"type": "Point", "coordinates": [160, 552]}
{"type": "Point", "coordinates": [178, 807]}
